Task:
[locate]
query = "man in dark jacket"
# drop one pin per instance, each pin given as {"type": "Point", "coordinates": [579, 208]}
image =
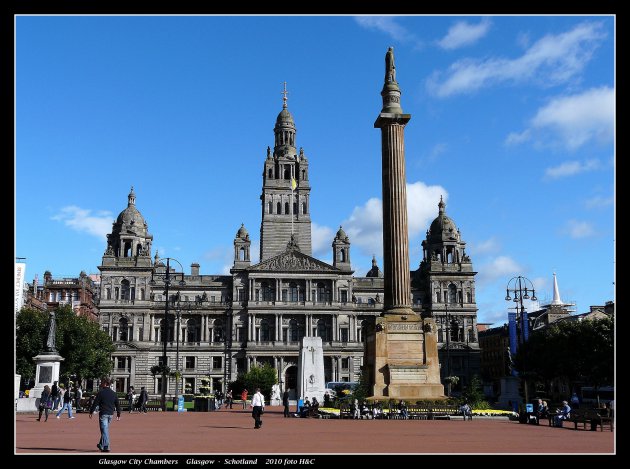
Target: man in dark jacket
{"type": "Point", "coordinates": [106, 400]}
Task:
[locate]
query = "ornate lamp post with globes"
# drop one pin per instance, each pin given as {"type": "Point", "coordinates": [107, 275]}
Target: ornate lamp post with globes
{"type": "Point", "coordinates": [519, 289]}
{"type": "Point", "coordinates": [166, 277]}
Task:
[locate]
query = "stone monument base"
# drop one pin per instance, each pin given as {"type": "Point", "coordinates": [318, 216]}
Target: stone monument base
{"type": "Point", "coordinates": [47, 373]}
{"type": "Point", "coordinates": [509, 392]}
{"type": "Point", "coordinates": [402, 358]}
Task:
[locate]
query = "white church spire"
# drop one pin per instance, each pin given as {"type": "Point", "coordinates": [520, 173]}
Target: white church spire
{"type": "Point", "coordinates": [556, 292]}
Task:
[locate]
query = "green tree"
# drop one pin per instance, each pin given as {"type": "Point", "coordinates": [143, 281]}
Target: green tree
{"type": "Point", "coordinates": [361, 390]}
{"type": "Point", "coordinates": [473, 394]}
{"type": "Point", "coordinates": [30, 335]}
{"type": "Point", "coordinates": [263, 377]}
{"type": "Point", "coordinates": [86, 349]}
{"type": "Point", "coordinates": [574, 351]}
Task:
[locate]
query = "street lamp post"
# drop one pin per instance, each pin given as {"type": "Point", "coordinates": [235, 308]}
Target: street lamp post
{"type": "Point", "coordinates": [166, 277]}
{"type": "Point", "coordinates": [520, 287]}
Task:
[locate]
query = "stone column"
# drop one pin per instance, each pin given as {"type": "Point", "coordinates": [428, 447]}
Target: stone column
{"type": "Point", "coordinates": [392, 123]}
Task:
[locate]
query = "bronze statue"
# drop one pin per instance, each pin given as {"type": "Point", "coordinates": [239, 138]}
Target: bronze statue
{"type": "Point", "coordinates": [51, 339]}
{"type": "Point", "coordinates": [390, 68]}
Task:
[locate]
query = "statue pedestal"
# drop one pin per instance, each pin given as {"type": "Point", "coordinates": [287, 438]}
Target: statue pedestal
{"type": "Point", "coordinates": [509, 392]}
{"type": "Point", "coordinates": [47, 373]}
{"type": "Point", "coordinates": [402, 355]}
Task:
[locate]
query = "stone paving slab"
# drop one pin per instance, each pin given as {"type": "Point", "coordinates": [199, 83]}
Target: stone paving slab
{"type": "Point", "coordinates": [228, 432]}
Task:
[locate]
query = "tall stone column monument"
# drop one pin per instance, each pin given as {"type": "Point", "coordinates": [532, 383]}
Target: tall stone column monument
{"type": "Point", "coordinates": [48, 364]}
{"type": "Point", "coordinates": [402, 355]}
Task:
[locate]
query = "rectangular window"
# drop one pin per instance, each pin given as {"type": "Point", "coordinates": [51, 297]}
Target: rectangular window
{"type": "Point", "coordinates": [213, 299]}
{"type": "Point", "coordinates": [344, 363]}
{"type": "Point", "coordinates": [189, 385]}
{"type": "Point", "coordinates": [240, 334]}
{"type": "Point", "coordinates": [122, 361]}
{"type": "Point", "coordinates": [190, 363]}
{"type": "Point", "coordinates": [216, 384]}
{"type": "Point", "coordinates": [344, 296]}
{"type": "Point", "coordinates": [216, 362]}
{"type": "Point", "coordinates": [241, 294]}
{"type": "Point", "coordinates": [158, 384]}
{"type": "Point", "coordinates": [344, 334]}
{"type": "Point", "coordinates": [161, 359]}
{"type": "Point", "coordinates": [284, 295]}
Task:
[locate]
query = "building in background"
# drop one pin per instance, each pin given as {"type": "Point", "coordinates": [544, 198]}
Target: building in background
{"type": "Point", "coordinates": [225, 324]}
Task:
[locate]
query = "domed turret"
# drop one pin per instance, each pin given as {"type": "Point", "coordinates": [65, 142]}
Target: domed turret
{"type": "Point", "coordinates": [341, 250]}
{"type": "Point", "coordinates": [374, 271]}
{"type": "Point", "coordinates": [129, 236]}
{"type": "Point", "coordinates": [443, 228]}
{"type": "Point", "coordinates": [242, 232]}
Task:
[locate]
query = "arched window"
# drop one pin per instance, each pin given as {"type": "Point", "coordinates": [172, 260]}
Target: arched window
{"type": "Point", "coordinates": [471, 335]}
{"type": "Point", "coordinates": [123, 329]}
{"type": "Point", "coordinates": [293, 292]}
{"type": "Point", "coordinates": [452, 294]}
{"type": "Point", "coordinates": [322, 330]}
{"type": "Point", "coordinates": [468, 297]}
{"type": "Point", "coordinates": [270, 173]}
{"type": "Point", "coordinates": [142, 293]}
{"type": "Point", "coordinates": [454, 331]}
{"type": "Point", "coordinates": [293, 331]}
{"type": "Point", "coordinates": [303, 175]}
{"type": "Point", "coordinates": [218, 330]}
{"type": "Point", "coordinates": [286, 208]}
{"type": "Point", "coordinates": [287, 171]}
{"type": "Point", "coordinates": [124, 287]}
{"type": "Point", "coordinates": [295, 208]}
{"type": "Point", "coordinates": [241, 254]}
{"type": "Point", "coordinates": [192, 331]}
{"type": "Point", "coordinates": [265, 335]}
{"type": "Point", "coordinates": [108, 294]}
{"type": "Point", "coordinates": [116, 293]}
{"type": "Point", "coordinates": [304, 208]}
{"type": "Point", "coordinates": [342, 255]}
{"type": "Point", "coordinates": [127, 249]}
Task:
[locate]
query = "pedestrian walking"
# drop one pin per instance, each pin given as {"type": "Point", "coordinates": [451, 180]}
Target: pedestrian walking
{"type": "Point", "coordinates": [54, 393]}
{"type": "Point", "coordinates": [258, 407]}
{"type": "Point", "coordinates": [142, 400]}
{"type": "Point", "coordinates": [45, 403]}
{"type": "Point", "coordinates": [67, 404]}
{"type": "Point", "coordinates": [107, 401]}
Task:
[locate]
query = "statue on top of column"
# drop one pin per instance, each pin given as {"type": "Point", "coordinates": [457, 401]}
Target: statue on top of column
{"type": "Point", "coordinates": [390, 68]}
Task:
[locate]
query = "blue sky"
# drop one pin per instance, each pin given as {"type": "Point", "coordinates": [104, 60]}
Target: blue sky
{"type": "Point", "coordinates": [512, 122]}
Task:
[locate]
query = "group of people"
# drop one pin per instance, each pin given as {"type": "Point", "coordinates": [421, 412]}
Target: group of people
{"type": "Point", "coordinates": [139, 402]}
{"type": "Point", "coordinates": [51, 398]}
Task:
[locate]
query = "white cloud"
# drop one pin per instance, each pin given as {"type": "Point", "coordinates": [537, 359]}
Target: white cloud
{"type": "Point", "coordinates": [388, 25]}
{"type": "Point", "coordinates": [501, 266]}
{"type": "Point", "coordinates": [488, 246]}
{"type": "Point", "coordinates": [579, 229]}
{"type": "Point", "coordinates": [321, 239]}
{"type": "Point", "coordinates": [464, 34]}
{"type": "Point", "coordinates": [437, 150]}
{"type": "Point", "coordinates": [80, 219]}
{"type": "Point", "coordinates": [599, 202]}
{"type": "Point", "coordinates": [365, 224]}
{"type": "Point", "coordinates": [551, 60]}
{"type": "Point", "coordinates": [571, 168]}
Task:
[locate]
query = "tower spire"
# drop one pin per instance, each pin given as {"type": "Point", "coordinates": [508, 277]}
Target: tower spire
{"type": "Point", "coordinates": [441, 205]}
{"type": "Point", "coordinates": [556, 292]}
{"type": "Point", "coordinates": [284, 94]}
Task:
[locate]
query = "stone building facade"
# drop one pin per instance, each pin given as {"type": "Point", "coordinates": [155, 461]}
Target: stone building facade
{"type": "Point", "coordinates": [260, 312]}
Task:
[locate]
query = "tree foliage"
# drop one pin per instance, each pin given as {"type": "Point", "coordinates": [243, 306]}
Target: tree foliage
{"type": "Point", "coordinates": [86, 349]}
{"type": "Point", "coordinates": [473, 394]}
{"type": "Point", "coordinates": [571, 350]}
{"type": "Point", "coordinates": [361, 390]}
{"type": "Point", "coordinates": [263, 377]}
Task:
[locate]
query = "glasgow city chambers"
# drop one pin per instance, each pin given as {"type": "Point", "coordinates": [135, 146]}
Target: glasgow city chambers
{"type": "Point", "coordinates": [221, 325]}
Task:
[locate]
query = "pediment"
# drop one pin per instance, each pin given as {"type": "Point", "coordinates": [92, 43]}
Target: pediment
{"type": "Point", "coordinates": [293, 261]}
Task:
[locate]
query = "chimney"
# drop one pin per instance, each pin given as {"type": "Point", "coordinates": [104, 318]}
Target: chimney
{"type": "Point", "coordinates": [194, 269]}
